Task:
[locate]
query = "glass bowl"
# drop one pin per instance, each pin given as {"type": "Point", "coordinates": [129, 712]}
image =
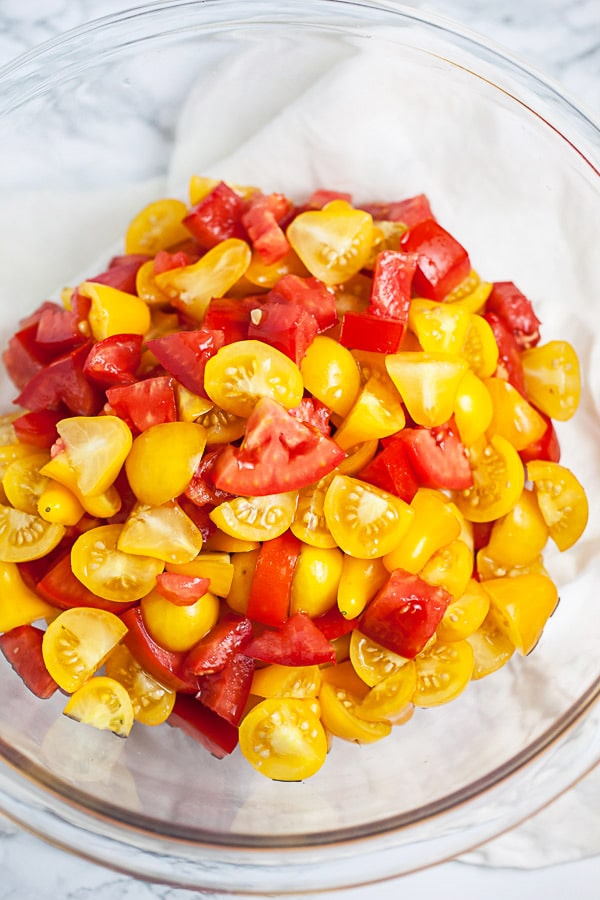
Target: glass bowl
{"type": "Point", "coordinates": [386, 103]}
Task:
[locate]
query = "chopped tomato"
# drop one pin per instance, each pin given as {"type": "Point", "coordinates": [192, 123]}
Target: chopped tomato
{"type": "Point", "coordinates": [437, 457]}
{"type": "Point", "coordinates": [289, 327]}
{"type": "Point", "coordinates": [391, 469]}
{"type": "Point", "coordinates": [375, 334]}
{"type": "Point", "coordinates": [321, 197]}
{"type": "Point", "coordinates": [216, 217]}
{"type": "Point", "coordinates": [261, 220]}
{"type": "Point", "coordinates": [144, 403]}
{"type": "Point", "coordinates": [62, 382]}
{"type": "Point", "coordinates": [410, 211]}
{"type": "Point", "coordinates": [122, 271]}
{"type": "Point", "coordinates": [114, 360]}
{"type": "Point", "coordinates": [184, 355]}
{"type": "Point", "coordinates": [23, 358]}
{"type": "Point", "coordinates": [164, 665]}
{"type": "Point", "coordinates": [62, 589]}
{"type": "Point", "coordinates": [230, 316]}
{"type": "Point", "coordinates": [509, 365]}
{"type": "Point", "coordinates": [313, 412]}
{"type": "Point", "coordinates": [212, 652]}
{"type": "Point", "coordinates": [310, 293]}
{"type": "Point", "coordinates": [202, 490]}
{"type": "Point", "coordinates": [199, 722]}
{"type": "Point", "coordinates": [279, 453]}
{"type": "Point", "coordinates": [38, 428]}
{"type": "Point", "coordinates": [183, 590]}
{"type": "Point", "coordinates": [516, 311]}
{"type": "Point", "coordinates": [405, 613]}
{"type": "Point", "coordinates": [546, 448]}
{"type": "Point", "coordinates": [298, 642]}
{"type": "Point", "coordinates": [392, 282]}
{"type": "Point", "coordinates": [332, 624]}
{"type": "Point", "coordinates": [58, 329]}
{"type": "Point", "coordinates": [442, 262]}
{"type": "Point", "coordinates": [22, 647]}
{"type": "Point", "coordinates": [282, 738]}
{"type": "Point", "coordinates": [226, 692]}
{"type": "Point", "coordinates": [269, 599]}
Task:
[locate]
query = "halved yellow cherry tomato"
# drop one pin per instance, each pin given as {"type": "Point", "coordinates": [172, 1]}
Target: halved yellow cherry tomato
{"type": "Point", "coordinates": [103, 703]}
{"type": "Point", "coordinates": [339, 715]}
{"type": "Point", "coordinates": [470, 294]}
{"type": "Point", "coordinates": [552, 378]}
{"type": "Point", "coordinates": [315, 580]}
{"type": "Point", "coordinates": [113, 311]}
{"type": "Point", "coordinates": [24, 537]}
{"type": "Point", "coordinates": [77, 642]}
{"type": "Point", "coordinates": [358, 457]}
{"type": "Point", "coordinates": [59, 504]}
{"type": "Point", "coordinates": [239, 374]}
{"type": "Point", "coordinates": [101, 506]}
{"type": "Point", "coordinates": [427, 383]}
{"type": "Point", "coordinates": [175, 627]}
{"type": "Point", "coordinates": [334, 243]}
{"type": "Point", "coordinates": [266, 275]}
{"type": "Point", "coordinates": [343, 675]}
{"type": "Point", "coordinates": [523, 604]}
{"type": "Point", "coordinates": [443, 672]}
{"type": "Point", "coordinates": [451, 567]}
{"type": "Point", "coordinates": [330, 374]}
{"type": "Point", "coordinates": [163, 459]}
{"type": "Point", "coordinates": [190, 406]}
{"type": "Point", "coordinates": [8, 435]}
{"type": "Point", "coordinates": [465, 614]}
{"type": "Point", "coordinates": [256, 518]}
{"type": "Point", "coordinates": [299, 682]}
{"type": "Point", "coordinates": [9, 453]}
{"type": "Point", "coordinates": [108, 572]}
{"type": "Point", "coordinates": [165, 532]}
{"type": "Point", "coordinates": [480, 349]}
{"type": "Point", "coordinates": [283, 739]}
{"type": "Point", "coordinates": [498, 480]}
{"type": "Point", "coordinates": [365, 521]}
{"type": "Point", "coordinates": [147, 288]}
{"type": "Point", "coordinates": [19, 605]}
{"type": "Point", "coordinates": [513, 417]}
{"type": "Point", "coordinates": [152, 702]}
{"type": "Point", "coordinates": [492, 648]}
{"type": "Point", "coordinates": [23, 483]}
{"type": "Point", "coordinates": [562, 501]}
{"type": "Point", "coordinates": [372, 662]}
{"type": "Point", "coordinates": [386, 236]}
{"type": "Point", "coordinates": [439, 327]}
{"type": "Point", "coordinates": [222, 427]}
{"type": "Point", "coordinates": [157, 227]}
{"type": "Point", "coordinates": [309, 524]}
{"type": "Point", "coordinates": [473, 408]}
{"type": "Point", "coordinates": [96, 447]}
{"type": "Point", "coordinates": [217, 567]}
{"type": "Point", "coordinates": [434, 524]}
{"type": "Point", "coordinates": [488, 567]}
{"type": "Point", "coordinates": [191, 288]}
{"type": "Point", "coordinates": [376, 413]}
{"type": "Point", "coordinates": [359, 582]}
{"type": "Point", "coordinates": [519, 537]}
{"type": "Point", "coordinates": [389, 699]}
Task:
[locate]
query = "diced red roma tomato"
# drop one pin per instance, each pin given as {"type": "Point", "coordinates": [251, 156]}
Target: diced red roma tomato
{"type": "Point", "coordinates": [59, 586]}
{"type": "Point", "coordinates": [321, 197]}
{"type": "Point", "coordinates": [392, 471]}
{"type": "Point", "coordinates": [216, 217]}
{"type": "Point", "coordinates": [410, 211]}
{"type": "Point", "coordinates": [23, 357]}
{"type": "Point", "coordinates": [114, 360]}
{"type": "Point", "coordinates": [361, 331]}
{"type": "Point", "coordinates": [547, 447]}
{"type": "Point", "coordinates": [297, 643]}
{"type": "Point", "coordinates": [38, 428]}
{"type": "Point", "coordinates": [313, 412]}
{"type": "Point", "coordinates": [312, 294]}
{"type": "Point", "coordinates": [226, 692]}
{"type": "Point", "coordinates": [184, 355]}
{"type": "Point", "coordinates": [202, 490]}
{"type": "Point", "coordinates": [443, 262]}
{"type": "Point", "coordinates": [122, 272]}
{"type": "Point", "coordinates": [165, 261]}
{"type": "Point", "coordinates": [22, 647]}
{"type": "Point", "coordinates": [279, 453]}
{"type": "Point", "coordinates": [509, 365]}
{"type": "Point", "coordinates": [231, 316]}
{"type": "Point", "coordinates": [437, 457]}
{"type": "Point", "coordinates": [333, 624]}
{"type": "Point", "coordinates": [58, 330]}
{"type": "Point", "coordinates": [405, 613]}
{"type": "Point", "coordinates": [516, 311]}
{"type": "Point", "coordinates": [199, 722]}
{"type": "Point", "coordinates": [269, 600]}
{"type": "Point", "coordinates": [392, 284]}
{"type": "Point", "coordinates": [288, 327]}
{"type": "Point", "coordinates": [261, 221]}
{"type": "Point", "coordinates": [62, 381]}
{"type": "Point", "coordinates": [145, 403]}
{"type": "Point", "coordinates": [212, 652]}
{"type": "Point", "coordinates": [182, 590]}
{"type": "Point", "coordinates": [164, 665]}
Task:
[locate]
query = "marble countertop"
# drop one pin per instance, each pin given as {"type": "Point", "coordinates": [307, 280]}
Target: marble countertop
{"type": "Point", "coordinates": [560, 38]}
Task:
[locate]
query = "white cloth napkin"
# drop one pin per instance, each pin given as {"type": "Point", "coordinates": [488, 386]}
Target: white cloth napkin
{"type": "Point", "coordinates": [326, 118]}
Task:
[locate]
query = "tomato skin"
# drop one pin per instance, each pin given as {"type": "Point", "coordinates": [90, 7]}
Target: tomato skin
{"type": "Point", "coordinates": [269, 599]}
{"type": "Point", "coordinates": [184, 355]}
{"type": "Point", "coordinates": [392, 282]}
{"type": "Point", "coordinates": [212, 652]}
{"type": "Point", "coordinates": [437, 457]}
{"type": "Point", "coordinates": [310, 293]}
{"type": "Point", "coordinates": [442, 262]}
{"type": "Point", "coordinates": [226, 692]}
{"type": "Point", "coordinates": [375, 334]}
{"type": "Point", "coordinates": [216, 217]}
{"type": "Point", "coordinates": [199, 722]}
{"type": "Point", "coordinates": [22, 647]}
{"type": "Point", "coordinates": [164, 665]}
{"type": "Point", "coordinates": [405, 613]}
{"type": "Point", "coordinates": [516, 311]}
{"type": "Point", "coordinates": [288, 327]}
{"type": "Point", "coordinates": [298, 642]}
{"type": "Point", "coordinates": [183, 590]}
{"type": "Point", "coordinates": [144, 403]}
{"type": "Point", "coordinates": [279, 453]}
{"type": "Point", "coordinates": [114, 360]}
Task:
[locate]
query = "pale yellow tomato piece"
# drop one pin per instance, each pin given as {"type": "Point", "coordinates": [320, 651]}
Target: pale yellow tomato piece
{"type": "Point", "coordinates": [266, 275]}
{"type": "Point", "coordinates": [113, 311]}
{"type": "Point", "coordinates": [157, 226]}
{"type": "Point", "coordinates": [315, 580]}
{"type": "Point", "coordinates": [101, 506]}
{"type": "Point", "coordinates": [239, 374]}
{"type": "Point", "coordinates": [334, 243]}
{"type": "Point", "coordinates": [309, 524]}
{"type": "Point", "coordinates": [443, 672]}
{"type": "Point", "coordinates": [96, 448]}
{"type": "Point", "coordinates": [489, 567]}
{"type": "Point", "coordinates": [178, 628]}
{"type": "Point", "coordinates": [376, 413]}
{"type": "Point", "coordinates": [473, 408]}
{"type": "Point", "coordinates": [523, 604]}
{"type": "Point", "coordinates": [371, 661]}
{"type": "Point", "coordinates": [391, 698]}
{"type": "Point", "coordinates": [103, 703]}
{"type": "Point", "coordinates": [365, 521]}
{"type": "Point", "coordinates": [23, 483]}
{"type": "Point", "coordinates": [256, 518]}
{"type": "Point", "coordinates": [427, 383]}
{"type": "Point", "coordinates": [24, 537]}
{"type": "Point", "coordinates": [465, 614]}
{"type": "Point", "coordinates": [519, 537]}
{"type": "Point", "coordinates": [434, 524]}
{"type": "Point", "coordinates": [481, 349]}
{"type": "Point", "coordinates": [498, 480]}
{"type": "Point", "coordinates": [330, 374]}
{"type": "Point", "coordinates": [552, 378]}
{"type": "Point", "coordinates": [283, 739]}
{"type": "Point", "coordinates": [191, 288]}
{"type": "Point", "coordinates": [450, 567]}
{"type": "Point", "coordinates": [163, 459]}
{"type": "Point", "coordinates": [59, 504]}
{"type": "Point", "coordinates": [358, 457]}
{"type": "Point", "coordinates": [275, 680]}
{"type": "Point", "coordinates": [513, 417]}
{"type": "Point", "coordinates": [152, 702]}
{"type": "Point", "coordinates": [339, 714]}
{"type": "Point", "coordinates": [492, 648]}
{"type": "Point", "coordinates": [77, 642]}
{"type": "Point", "coordinates": [439, 327]}
{"type": "Point", "coordinates": [165, 532]}
{"type": "Point", "coordinates": [562, 501]}
{"type": "Point", "coordinates": [19, 605]}
{"type": "Point", "coordinates": [109, 572]}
